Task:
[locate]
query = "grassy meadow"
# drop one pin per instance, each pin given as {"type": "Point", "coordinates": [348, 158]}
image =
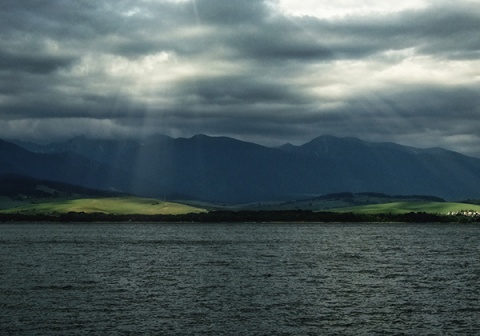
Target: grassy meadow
{"type": "Point", "coordinates": [441, 208]}
{"type": "Point", "coordinates": [111, 205]}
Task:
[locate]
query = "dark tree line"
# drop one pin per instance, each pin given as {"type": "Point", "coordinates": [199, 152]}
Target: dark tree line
{"type": "Point", "coordinates": [240, 217]}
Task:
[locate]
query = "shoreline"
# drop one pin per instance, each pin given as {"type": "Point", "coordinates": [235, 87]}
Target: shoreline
{"type": "Point", "coordinates": [257, 217]}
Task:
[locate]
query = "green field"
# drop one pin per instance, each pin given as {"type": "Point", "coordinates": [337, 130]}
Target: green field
{"type": "Point", "coordinates": [111, 205]}
{"type": "Point", "coordinates": [405, 207]}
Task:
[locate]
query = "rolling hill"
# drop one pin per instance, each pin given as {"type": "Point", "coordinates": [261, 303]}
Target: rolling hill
{"type": "Point", "coordinates": [18, 190]}
{"type": "Point", "coordinates": [442, 208]}
{"type": "Point", "coordinates": [109, 205]}
{"type": "Point", "coordinates": [21, 194]}
{"type": "Point", "coordinates": [331, 202]}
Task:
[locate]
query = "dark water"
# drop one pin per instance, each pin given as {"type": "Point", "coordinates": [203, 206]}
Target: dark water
{"type": "Point", "coordinates": [240, 279]}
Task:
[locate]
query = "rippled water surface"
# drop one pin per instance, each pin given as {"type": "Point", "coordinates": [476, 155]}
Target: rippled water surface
{"type": "Point", "coordinates": [240, 279]}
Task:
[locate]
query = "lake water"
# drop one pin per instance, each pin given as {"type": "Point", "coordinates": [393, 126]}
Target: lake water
{"type": "Point", "coordinates": [240, 279]}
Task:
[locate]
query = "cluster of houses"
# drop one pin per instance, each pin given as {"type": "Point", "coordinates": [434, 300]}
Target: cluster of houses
{"type": "Point", "coordinates": [469, 213]}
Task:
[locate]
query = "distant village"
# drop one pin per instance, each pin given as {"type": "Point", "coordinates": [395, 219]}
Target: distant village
{"type": "Point", "coordinates": [468, 213]}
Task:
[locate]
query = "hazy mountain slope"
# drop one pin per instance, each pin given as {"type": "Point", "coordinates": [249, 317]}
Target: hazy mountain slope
{"type": "Point", "coordinates": [222, 169]}
{"type": "Point", "coordinates": [27, 187]}
{"type": "Point", "coordinates": [202, 167]}
{"type": "Point", "coordinates": [396, 169]}
{"type": "Point", "coordinates": [65, 167]}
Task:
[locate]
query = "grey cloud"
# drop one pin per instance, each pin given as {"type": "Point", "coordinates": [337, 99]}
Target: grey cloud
{"type": "Point", "coordinates": [230, 12]}
{"type": "Point", "coordinates": [273, 42]}
{"type": "Point", "coordinates": [444, 30]}
{"type": "Point", "coordinates": [240, 90]}
{"type": "Point", "coordinates": [437, 29]}
{"type": "Point", "coordinates": [33, 62]}
{"type": "Point", "coordinates": [423, 110]}
{"type": "Point", "coordinates": [54, 18]}
{"type": "Point", "coordinates": [280, 64]}
{"type": "Point", "coordinates": [52, 104]}
{"type": "Point", "coordinates": [435, 102]}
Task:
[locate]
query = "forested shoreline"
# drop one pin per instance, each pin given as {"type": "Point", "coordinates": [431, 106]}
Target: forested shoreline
{"type": "Point", "coordinates": [242, 216]}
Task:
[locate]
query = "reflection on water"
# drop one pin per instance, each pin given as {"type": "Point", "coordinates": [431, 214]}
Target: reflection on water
{"type": "Point", "coordinates": [240, 279]}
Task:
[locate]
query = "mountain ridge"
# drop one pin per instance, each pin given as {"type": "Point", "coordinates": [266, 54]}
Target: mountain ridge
{"type": "Point", "coordinates": [223, 169]}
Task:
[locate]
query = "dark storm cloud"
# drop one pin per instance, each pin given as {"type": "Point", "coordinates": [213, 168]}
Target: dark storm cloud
{"type": "Point", "coordinates": [34, 63]}
{"type": "Point", "coordinates": [427, 101]}
{"type": "Point", "coordinates": [283, 40]}
{"type": "Point", "coordinates": [240, 90]}
{"type": "Point", "coordinates": [240, 68]}
{"type": "Point", "coordinates": [230, 12]}
{"type": "Point", "coordinates": [439, 31]}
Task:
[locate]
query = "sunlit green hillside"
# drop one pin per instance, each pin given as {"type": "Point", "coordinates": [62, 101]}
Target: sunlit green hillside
{"type": "Point", "coordinates": [406, 207]}
{"type": "Point", "coordinates": [112, 205]}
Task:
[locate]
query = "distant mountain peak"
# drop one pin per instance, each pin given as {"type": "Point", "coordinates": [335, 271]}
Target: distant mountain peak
{"type": "Point", "coordinates": [228, 170]}
{"type": "Point", "coordinates": [334, 139]}
{"type": "Point", "coordinates": [288, 147]}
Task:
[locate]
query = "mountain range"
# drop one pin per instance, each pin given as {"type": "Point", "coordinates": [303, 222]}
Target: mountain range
{"type": "Point", "coordinates": [226, 170]}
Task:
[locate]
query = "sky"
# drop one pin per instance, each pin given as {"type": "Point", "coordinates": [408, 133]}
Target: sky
{"type": "Point", "coordinates": [269, 72]}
